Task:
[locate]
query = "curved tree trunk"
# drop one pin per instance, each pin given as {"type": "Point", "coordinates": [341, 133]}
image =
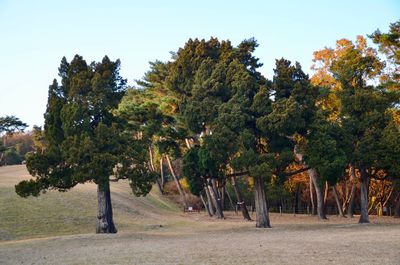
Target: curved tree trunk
{"type": "Point", "coordinates": [240, 201]}
{"type": "Point", "coordinates": [159, 186]}
{"type": "Point", "coordinates": [230, 200]}
{"type": "Point", "coordinates": [216, 202]}
{"type": "Point", "coordinates": [162, 173]}
{"type": "Point", "coordinates": [178, 185]}
{"type": "Point", "coordinates": [312, 197]}
{"type": "Point", "coordinates": [364, 184]}
{"type": "Point", "coordinates": [210, 204]}
{"type": "Point", "coordinates": [350, 207]}
{"type": "Point", "coordinates": [326, 192]}
{"type": "Point", "coordinates": [314, 177]}
{"type": "Point", "coordinates": [105, 223]}
{"type": "Point", "coordinates": [262, 217]}
{"type": "Point", "coordinates": [338, 204]}
{"type": "Point", "coordinates": [222, 196]}
{"type": "Point", "coordinates": [152, 168]}
{"type": "Point", "coordinates": [320, 199]}
{"type": "Point", "coordinates": [205, 205]}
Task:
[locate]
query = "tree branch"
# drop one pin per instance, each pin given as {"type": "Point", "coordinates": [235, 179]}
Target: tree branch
{"type": "Point", "coordinates": [298, 171]}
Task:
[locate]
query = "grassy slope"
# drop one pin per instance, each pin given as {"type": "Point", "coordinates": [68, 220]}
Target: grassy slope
{"type": "Point", "coordinates": [72, 212]}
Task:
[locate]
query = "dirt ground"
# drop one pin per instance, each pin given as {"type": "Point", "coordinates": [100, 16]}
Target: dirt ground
{"type": "Point", "coordinates": [332, 242]}
{"type": "Point", "coordinates": [171, 237]}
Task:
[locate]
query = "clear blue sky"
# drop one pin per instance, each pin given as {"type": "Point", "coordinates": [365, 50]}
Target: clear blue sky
{"type": "Point", "coordinates": [36, 34]}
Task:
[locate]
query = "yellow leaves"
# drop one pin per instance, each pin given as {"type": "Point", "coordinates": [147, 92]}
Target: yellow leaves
{"type": "Point", "coordinates": [343, 47]}
{"type": "Point", "coordinates": [295, 180]}
{"type": "Point", "coordinates": [322, 78]}
{"type": "Point", "coordinates": [353, 62]}
{"type": "Point", "coordinates": [184, 183]}
{"type": "Point", "coordinates": [396, 117]}
{"type": "Point", "coordinates": [250, 183]}
{"type": "Point", "coordinates": [361, 42]}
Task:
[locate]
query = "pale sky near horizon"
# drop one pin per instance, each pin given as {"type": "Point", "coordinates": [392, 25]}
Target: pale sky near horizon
{"type": "Point", "coordinates": [35, 35]}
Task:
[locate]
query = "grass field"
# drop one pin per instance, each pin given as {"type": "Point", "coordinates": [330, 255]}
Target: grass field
{"type": "Point", "coordinates": [59, 228]}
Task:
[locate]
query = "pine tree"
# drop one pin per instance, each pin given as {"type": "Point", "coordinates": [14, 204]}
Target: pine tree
{"type": "Point", "coordinates": [84, 141]}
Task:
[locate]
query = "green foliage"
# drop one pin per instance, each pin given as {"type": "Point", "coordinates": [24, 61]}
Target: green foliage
{"type": "Point", "coordinates": [364, 116]}
{"type": "Point", "coordinates": [260, 170]}
{"type": "Point", "coordinates": [82, 139]}
{"type": "Point", "coordinates": [10, 124]}
{"type": "Point", "coordinates": [389, 44]}
{"type": "Point", "coordinates": [287, 79]}
{"type": "Point", "coordinates": [389, 151]}
{"type": "Point", "coordinates": [192, 172]}
{"type": "Point", "coordinates": [325, 150]}
{"type": "Point", "coordinates": [12, 157]}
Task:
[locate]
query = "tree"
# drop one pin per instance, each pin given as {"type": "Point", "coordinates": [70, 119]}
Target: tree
{"type": "Point", "coordinates": [292, 125]}
{"type": "Point", "coordinates": [9, 125]}
{"type": "Point", "coordinates": [389, 45]}
{"type": "Point", "coordinates": [83, 141]}
{"type": "Point", "coordinates": [151, 110]}
{"type": "Point", "coordinates": [216, 84]}
{"type": "Point", "coordinates": [364, 113]}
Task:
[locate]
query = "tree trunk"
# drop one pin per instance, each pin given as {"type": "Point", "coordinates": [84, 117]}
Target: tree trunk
{"type": "Point", "coordinates": [222, 196]}
{"type": "Point", "coordinates": [216, 202]}
{"type": "Point", "coordinates": [396, 213]}
{"type": "Point", "coordinates": [152, 168]}
{"type": "Point", "coordinates": [210, 204]}
{"type": "Point", "coordinates": [151, 158]}
{"type": "Point", "coordinates": [159, 186]}
{"type": "Point", "coordinates": [312, 197]}
{"type": "Point", "coordinates": [230, 200]}
{"type": "Point", "coordinates": [326, 191]}
{"type": "Point", "coordinates": [320, 199]}
{"type": "Point", "coordinates": [105, 223]}
{"type": "Point", "coordinates": [162, 173]}
{"type": "Point", "coordinates": [350, 207]}
{"type": "Point", "coordinates": [240, 201]}
{"type": "Point", "coordinates": [364, 184]}
{"type": "Point", "coordinates": [262, 217]}
{"type": "Point", "coordinates": [297, 199]}
{"type": "Point", "coordinates": [388, 197]}
{"type": "Point", "coordinates": [178, 185]}
{"type": "Point", "coordinates": [346, 194]}
{"type": "Point", "coordinates": [338, 204]}
{"type": "Point", "coordinates": [188, 143]}
{"type": "Point", "coordinates": [205, 205]}
{"type": "Point", "coordinates": [314, 177]}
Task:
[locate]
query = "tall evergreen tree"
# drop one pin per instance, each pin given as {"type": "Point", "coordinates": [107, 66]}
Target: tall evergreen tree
{"type": "Point", "coordinates": [364, 113]}
{"type": "Point", "coordinates": [215, 84]}
{"type": "Point", "coordinates": [84, 141]}
{"type": "Point", "coordinates": [294, 126]}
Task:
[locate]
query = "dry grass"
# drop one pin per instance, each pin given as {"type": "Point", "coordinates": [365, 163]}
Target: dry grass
{"type": "Point", "coordinates": [181, 238]}
{"type": "Point", "coordinates": [72, 212]}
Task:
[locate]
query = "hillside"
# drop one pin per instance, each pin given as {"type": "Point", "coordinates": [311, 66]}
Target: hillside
{"type": "Point", "coordinates": [74, 212]}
